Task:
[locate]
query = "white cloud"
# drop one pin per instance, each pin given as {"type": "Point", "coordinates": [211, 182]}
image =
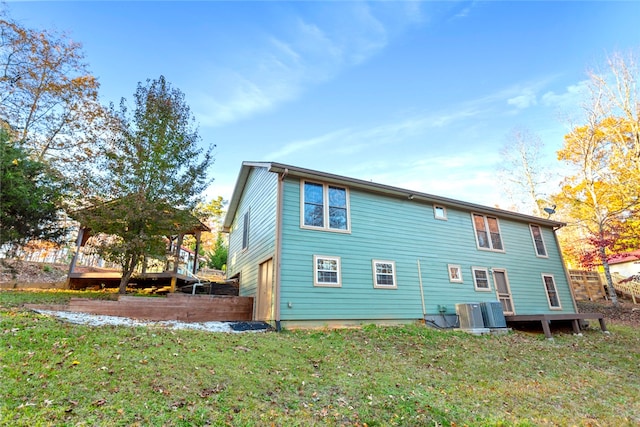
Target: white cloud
{"type": "Point", "coordinates": [569, 99]}
{"type": "Point", "coordinates": [525, 100]}
{"type": "Point", "coordinates": [301, 51]}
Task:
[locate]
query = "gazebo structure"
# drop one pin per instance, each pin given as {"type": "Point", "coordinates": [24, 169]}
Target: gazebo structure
{"type": "Point", "coordinates": [174, 225]}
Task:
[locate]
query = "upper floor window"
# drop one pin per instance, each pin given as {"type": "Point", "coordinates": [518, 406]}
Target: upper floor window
{"type": "Point", "coordinates": [487, 232]}
{"type": "Point", "coordinates": [538, 241]}
{"type": "Point", "coordinates": [326, 271]}
{"type": "Point", "coordinates": [439, 212]}
{"type": "Point", "coordinates": [325, 206]}
{"type": "Point", "coordinates": [552, 292]}
{"type": "Point", "coordinates": [384, 274]}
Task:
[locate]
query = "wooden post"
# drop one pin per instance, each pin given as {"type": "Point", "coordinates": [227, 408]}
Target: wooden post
{"type": "Point", "coordinates": [176, 263]}
{"type": "Point", "coordinates": [195, 261]}
{"type": "Point", "coordinates": [74, 260]}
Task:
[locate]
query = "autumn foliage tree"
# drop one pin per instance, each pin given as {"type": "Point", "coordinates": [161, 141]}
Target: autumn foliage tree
{"type": "Point", "coordinates": [602, 197]}
{"type": "Point", "coordinates": [48, 96]}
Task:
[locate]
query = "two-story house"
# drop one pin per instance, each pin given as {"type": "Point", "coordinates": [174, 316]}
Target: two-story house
{"type": "Point", "coordinates": [318, 249]}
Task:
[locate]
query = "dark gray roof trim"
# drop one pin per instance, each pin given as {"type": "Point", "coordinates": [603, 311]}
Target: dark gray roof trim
{"type": "Point", "coordinates": [375, 188]}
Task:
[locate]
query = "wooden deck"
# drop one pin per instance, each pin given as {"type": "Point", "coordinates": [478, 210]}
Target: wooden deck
{"type": "Point", "coordinates": [111, 279]}
{"type": "Point", "coordinates": [178, 307]}
{"type": "Point", "coordinates": [546, 319]}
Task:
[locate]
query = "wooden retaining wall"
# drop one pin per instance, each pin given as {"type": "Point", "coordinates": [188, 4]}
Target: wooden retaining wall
{"type": "Point", "coordinates": [178, 307]}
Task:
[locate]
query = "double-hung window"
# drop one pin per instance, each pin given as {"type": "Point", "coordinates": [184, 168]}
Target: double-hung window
{"type": "Point", "coordinates": [384, 274]}
{"type": "Point", "coordinates": [325, 206]}
{"type": "Point", "coordinates": [487, 232]}
{"type": "Point", "coordinates": [538, 241]}
{"type": "Point", "coordinates": [481, 278]}
{"type": "Point", "coordinates": [552, 291]}
{"type": "Point", "coordinates": [326, 271]}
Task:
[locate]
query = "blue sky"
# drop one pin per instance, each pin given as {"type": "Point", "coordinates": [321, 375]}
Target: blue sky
{"type": "Point", "coordinates": [419, 95]}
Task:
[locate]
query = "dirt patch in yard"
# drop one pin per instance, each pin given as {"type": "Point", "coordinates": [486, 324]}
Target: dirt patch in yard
{"type": "Point", "coordinates": [24, 274]}
{"type": "Point", "coordinates": [626, 313]}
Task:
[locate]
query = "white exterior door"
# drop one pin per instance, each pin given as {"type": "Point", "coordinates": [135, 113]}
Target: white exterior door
{"type": "Point", "coordinates": [264, 303]}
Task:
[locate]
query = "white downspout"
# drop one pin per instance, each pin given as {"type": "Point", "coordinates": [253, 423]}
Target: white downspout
{"type": "Point", "coordinates": [278, 249]}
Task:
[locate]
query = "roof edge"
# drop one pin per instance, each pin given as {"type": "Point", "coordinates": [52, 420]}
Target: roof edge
{"type": "Point", "coordinates": [372, 187]}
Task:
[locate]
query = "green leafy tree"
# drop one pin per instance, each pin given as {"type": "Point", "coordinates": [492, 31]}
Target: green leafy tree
{"type": "Point", "coordinates": [218, 257]}
{"type": "Point", "coordinates": [30, 196]}
{"type": "Point", "coordinates": [153, 173]}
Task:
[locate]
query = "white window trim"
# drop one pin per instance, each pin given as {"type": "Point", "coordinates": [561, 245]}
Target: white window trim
{"type": "Point", "coordinates": [533, 240]}
{"type": "Point", "coordinates": [452, 278]}
{"type": "Point", "coordinates": [444, 212]}
{"type": "Point", "coordinates": [315, 272]}
{"type": "Point", "coordinates": [475, 283]}
{"type": "Point", "coordinates": [325, 207]}
{"type": "Point", "coordinates": [555, 288]}
{"type": "Point", "coordinates": [486, 224]}
{"type": "Point", "coordinates": [376, 285]}
{"type": "Point", "coordinates": [246, 229]}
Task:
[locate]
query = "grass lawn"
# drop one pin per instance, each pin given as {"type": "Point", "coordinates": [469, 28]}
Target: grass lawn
{"type": "Point", "coordinates": [55, 373]}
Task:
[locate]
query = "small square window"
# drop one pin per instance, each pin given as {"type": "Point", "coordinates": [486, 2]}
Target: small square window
{"type": "Point", "coordinates": [384, 274]}
{"type": "Point", "coordinates": [439, 212]}
{"type": "Point", "coordinates": [326, 271]}
{"type": "Point", "coordinates": [481, 279]}
{"type": "Point", "coordinates": [455, 273]}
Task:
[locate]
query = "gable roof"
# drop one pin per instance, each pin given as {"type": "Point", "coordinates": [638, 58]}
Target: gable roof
{"type": "Point", "coordinates": [371, 187]}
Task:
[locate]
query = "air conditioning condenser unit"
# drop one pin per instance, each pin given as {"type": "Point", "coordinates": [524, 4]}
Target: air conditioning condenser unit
{"type": "Point", "coordinates": [470, 315]}
{"type": "Point", "coordinates": [493, 315]}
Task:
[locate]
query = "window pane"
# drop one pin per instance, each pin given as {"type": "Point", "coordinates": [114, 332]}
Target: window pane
{"type": "Point", "coordinates": [551, 291]}
{"type": "Point", "coordinates": [384, 268]}
{"type": "Point", "coordinates": [496, 241]}
{"type": "Point", "coordinates": [327, 277]}
{"type": "Point", "coordinates": [327, 264]}
{"type": "Point", "coordinates": [313, 193]}
{"type": "Point", "coordinates": [384, 279]}
{"type": "Point", "coordinates": [313, 215]}
{"type": "Point", "coordinates": [483, 241]}
{"type": "Point", "coordinates": [482, 281]}
{"type": "Point", "coordinates": [338, 218]}
{"type": "Point", "coordinates": [537, 239]}
{"type": "Point", "coordinates": [478, 221]}
{"type": "Point", "coordinates": [337, 197]}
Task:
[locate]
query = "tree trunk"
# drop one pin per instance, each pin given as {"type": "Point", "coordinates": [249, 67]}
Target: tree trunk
{"type": "Point", "coordinates": [607, 274]}
{"type": "Point", "coordinates": [130, 265]}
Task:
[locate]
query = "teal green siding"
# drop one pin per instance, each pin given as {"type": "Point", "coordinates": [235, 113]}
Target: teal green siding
{"type": "Point", "coordinates": [405, 231]}
{"type": "Point", "coordinates": [259, 199]}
